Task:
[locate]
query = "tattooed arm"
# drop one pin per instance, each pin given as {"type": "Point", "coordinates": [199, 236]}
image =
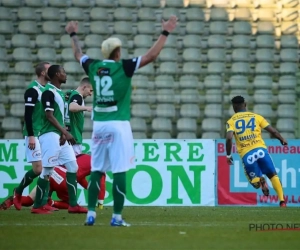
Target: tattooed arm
{"type": "Point", "coordinates": [72, 27]}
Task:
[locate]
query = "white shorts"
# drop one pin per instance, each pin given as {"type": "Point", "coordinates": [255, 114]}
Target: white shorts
{"type": "Point", "coordinates": [112, 147]}
{"type": "Point", "coordinates": [77, 149]}
{"type": "Point", "coordinates": [52, 153]}
{"type": "Point", "coordinates": [35, 154]}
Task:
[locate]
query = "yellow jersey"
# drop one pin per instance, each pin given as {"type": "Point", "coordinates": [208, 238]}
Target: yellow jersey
{"type": "Point", "coordinates": [247, 131]}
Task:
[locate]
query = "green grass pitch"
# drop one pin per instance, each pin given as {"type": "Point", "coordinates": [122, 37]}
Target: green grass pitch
{"type": "Point", "coordinates": [152, 228]}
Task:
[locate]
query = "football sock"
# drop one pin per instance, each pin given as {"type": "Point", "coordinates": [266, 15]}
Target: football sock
{"type": "Point", "coordinates": [119, 192]}
{"type": "Point", "coordinates": [72, 189]}
{"type": "Point", "coordinates": [41, 188]}
{"type": "Point", "coordinates": [278, 187]}
{"type": "Point", "coordinates": [27, 179]}
{"type": "Point", "coordinates": [93, 190]}
{"type": "Point", "coordinates": [46, 195]}
{"type": "Point", "coordinates": [60, 204]}
{"type": "Point", "coordinates": [26, 201]}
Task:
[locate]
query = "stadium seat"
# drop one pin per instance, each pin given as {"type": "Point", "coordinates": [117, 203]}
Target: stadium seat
{"type": "Point", "coordinates": [265, 41]}
{"type": "Point", "coordinates": [16, 95]}
{"type": "Point", "coordinates": [186, 135]}
{"type": "Point", "coordinates": [264, 55]}
{"type": "Point", "coordinates": [288, 41]}
{"type": "Point", "coordinates": [17, 109]}
{"type": "Point", "coordinates": [238, 82]}
{"type": "Point", "coordinates": [75, 13]}
{"type": "Point", "coordinates": [218, 14]}
{"type": "Point", "coordinates": [15, 81]}
{"type": "Point", "coordinates": [93, 40]}
{"type": "Point", "coordinates": [139, 135]}
{"type": "Point", "coordinates": [262, 96]}
{"type": "Point", "coordinates": [127, 3]}
{"type": "Point", "coordinates": [13, 135]}
{"type": "Point", "coordinates": [67, 54]}
{"type": "Point", "coordinates": [167, 12]}
{"type": "Point", "coordinates": [165, 96]}
{"type": "Point", "coordinates": [240, 68]}
{"type": "Point", "coordinates": [26, 13]}
{"type": "Point", "coordinates": [96, 53]}
{"type": "Point", "coordinates": [241, 41]}
{"type": "Point", "coordinates": [194, 14]}
{"type": "Point", "coordinates": [52, 27]}
{"type": "Point", "coordinates": [45, 40]}
{"type": "Point", "coordinates": [218, 27]}
{"type": "Point", "coordinates": [285, 125]}
{"type": "Point", "coordinates": [6, 14]}
{"type": "Point", "coordinates": [265, 28]}
{"type": "Point", "coordinates": [23, 68]}
{"type": "Point", "coordinates": [190, 110]}
{"type": "Point", "coordinates": [164, 81]}
{"type": "Point", "coordinates": [51, 14]}
{"type": "Point", "coordinates": [168, 68]}
{"type": "Point", "coordinates": [105, 3]}
{"type": "Point", "coordinates": [287, 96]}
{"type": "Point", "coordinates": [161, 124]}
{"type": "Point", "coordinates": [2, 41]}
{"type": "Point", "coordinates": [2, 109]}
{"type": "Point", "coordinates": [20, 40]}
{"type": "Point", "coordinates": [262, 82]}
{"type": "Point", "coordinates": [191, 55]}
{"type": "Point", "coordinates": [213, 110]}
{"type": "Point", "coordinates": [241, 55]}
{"type": "Point", "coordinates": [123, 14]}
{"type": "Point", "coordinates": [216, 55]}
{"type": "Point", "coordinates": [46, 54]}
{"type": "Point", "coordinates": [81, 3]}
{"type": "Point", "coordinates": [151, 4]}
{"type": "Point", "coordinates": [11, 3]}
{"type": "Point", "coordinates": [146, 14]}
{"type": "Point", "coordinates": [192, 41]}
{"type": "Point", "coordinates": [171, 42]}
{"type": "Point", "coordinates": [287, 82]}
{"type": "Point", "coordinates": [73, 68]}
{"type": "Point", "coordinates": [141, 110]}
{"type": "Point", "coordinates": [211, 125]}
{"type": "Point", "coordinates": [58, 3]}
{"type": "Point", "coordinates": [168, 54]}
{"type": "Point", "coordinates": [165, 110]}
{"type": "Point", "coordinates": [216, 68]}
{"type": "Point", "coordinates": [211, 135]}
{"type": "Point", "coordinates": [286, 111]}
{"type": "Point", "coordinates": [216, 41]}
{"type": "Point", "coordinates": [189, 96]}
{"type": "Point", "coordinates": [289, 55]}
{"type": "Point", "coordinates": [242, 28]}
{"type": "Point", "coordinates": [264, 68]}
{"type": "Point", "coordinates": [28, 27]}
{"type": "Point", "coordinates": [143, 41]}
{"type": "Point", "coordinates": [288, 68]}
{"type": "Point", "coordinates": [288, 135]}
{"type": "Point", "coordinates": [194, 27]}
{"type": "Point", "coordinates": [187, 125]}
{"type": "Point", "coordinates": [140, 96]}
{"type": "Point", "coordinates": [147, 70]}
{"type": "Point", "coordinates": [146, 28]}
{"type": "Point", "coordinates": [34, 3]}
{"type": "Point", "coordinates": [22, 54]}
{"type": "Point", "coordinates": [3, 55]}
{"type": "Point", "coordinates": [98, 27]}
{"type": "Point", "coordinates": [264, 110]}
{"type": "Point", "coordinates": [140, 81]}
{"type": "Point", "coordinates": [192, 68]}
{"type": "Point", "coordinates": [99, 14]}
{"type": "Point", "coordinates": [4, 68]}
{"type": "Point", "coordinates": [161, 135]}
{"type": "Point", "coordinates": [188, 81]}
{"type": "Point", "coordinates": [11, 124]}
{"type": "Point", "coordinates": [213, 96]}
{"type": "Point", "coordinates": [213, 81]}
{"type": "Point", "coordinates": [6, 27]}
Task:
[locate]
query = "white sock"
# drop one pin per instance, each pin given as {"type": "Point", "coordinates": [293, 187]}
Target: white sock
{"type": "Point", "coordinates": [91, 213]}
{"type": "Point", "coordinates": [117, 216]}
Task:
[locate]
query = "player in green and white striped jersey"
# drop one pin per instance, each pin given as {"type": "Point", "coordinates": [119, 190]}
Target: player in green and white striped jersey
{"type": "Point", "coordinates": [31, 130]}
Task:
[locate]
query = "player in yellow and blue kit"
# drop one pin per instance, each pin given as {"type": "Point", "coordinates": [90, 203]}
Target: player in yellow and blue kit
{"type": "Point", "coordinates": [246, 128]}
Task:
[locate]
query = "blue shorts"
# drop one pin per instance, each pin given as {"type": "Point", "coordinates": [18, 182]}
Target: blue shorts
{"type": "Point", "coordinates": [258, 162]}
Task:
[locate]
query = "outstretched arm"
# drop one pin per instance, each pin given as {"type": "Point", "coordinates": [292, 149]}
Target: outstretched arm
{"type": "Point", "coordinates": [276, 134]}
{"type": "Point", "coordinates": [72, 29]}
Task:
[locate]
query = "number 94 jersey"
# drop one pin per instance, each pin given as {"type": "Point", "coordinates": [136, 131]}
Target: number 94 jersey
{"type": "Point", "coordinates": [247, 131]}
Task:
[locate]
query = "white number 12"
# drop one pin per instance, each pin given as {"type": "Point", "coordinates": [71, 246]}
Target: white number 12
{"type": "Point", "coordinates": [103, 85]}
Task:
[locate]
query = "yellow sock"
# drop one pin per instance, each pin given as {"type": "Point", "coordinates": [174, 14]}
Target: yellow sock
{"type": "Point", "coordinates": [277, 186]}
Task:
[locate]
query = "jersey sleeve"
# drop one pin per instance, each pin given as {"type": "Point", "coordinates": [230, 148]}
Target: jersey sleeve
{"type": "Point", "coordinates": [229, 126]}
{"type": "Point", "coordinates": [77, 99]}
{"type": "Point", "coordinates": [131, 65]}
{"type": "Point", "coordinates": [48, 100]}
{"type": "Point", "coordinates": [263, 122]}
{"type": "Point", "coordinates": [30, 97]}
{"type": "Point", "coordinates": [85, 62]}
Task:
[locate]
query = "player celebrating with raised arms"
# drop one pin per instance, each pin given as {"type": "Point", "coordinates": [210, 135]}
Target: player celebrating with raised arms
{"type": "Point", "coordinates": [112, 140]}
{"type": "Point", "coordinates": [31, 130]}
{"type": "Point", "coordinates": [75, 111]}
{"type": "Point", "coordinates": [55, 144]}
{"type": "Point", "coordinates": [246, 128]}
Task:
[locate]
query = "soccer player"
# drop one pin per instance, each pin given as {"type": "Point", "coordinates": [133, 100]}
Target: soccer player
{"type": "Point", "coordinates": [112, 140]}
{"type": "Point", "coordinates": [58, 184]}
{"type": "Point", "coordinates": [54, 140]}
{"type": "Point", "coordinates": [32, 127]}
{"type": "Point", "coordinates": [246, 128]}
{"type": "Point", "coordinates": [75, 111]}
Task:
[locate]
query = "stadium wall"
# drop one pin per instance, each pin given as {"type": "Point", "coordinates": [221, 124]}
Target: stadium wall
{"type": "Point", "coordinates": [177, 173]}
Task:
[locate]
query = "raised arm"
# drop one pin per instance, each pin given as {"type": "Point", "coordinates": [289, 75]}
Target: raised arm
{"type": "Point", "coordinates": [153, 52]}
{"type": "Point", "coordinates": [72, 29]}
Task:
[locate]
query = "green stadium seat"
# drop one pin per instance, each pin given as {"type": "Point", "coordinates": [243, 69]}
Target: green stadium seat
{"type": "Point", "coordinates": [52, 28]}
{"type": "Point", "coordinates": [47, 54]}
{"type": "Point", "coordinates": [138, 124]}
{"type": "Point", "coordinates": [16, 95]}
{"type": "Point", "coordinates": [242, 28]}
{"type": "Point", "coordinates": [3, 55]}
{"type": "Point", "coordinates": [264, 55]}
{"type": "Point", "coordinates": [289, 55]}
{"type": "Point", "coordinates": [4, 68]}
{"type": "Point", "coordinates": [34, 3]}
{"type": "Point", "coordinates": [262, 82]}
{"type": "Point", "coordinates": [216, 68]}
{"type": "Point", "coordinates": [242, 92]}
{"type": "Point", "coordinates": [190, 110]}
{"type": "Point", "coordinates": [123, 28]}
{"type": "Point", "coordinates": [45, 40]}
{"type": "Point", "coordinates": [13, 135]}
{"type": "Point", "coordinates": [192, 41]}
{"type": "Point", "coordinates": [167, 12]}
{"type": "Point", "coordinates": [17, 109]}
{"type": "Point", "coordinates": [240, 68]}
{"type": "Point", "coordinates": [127, 3]}
{"type": "Point", "coordinates": [288, 68]}
{"type": "Point", "coordinates": [73, 68]}
{"type": "Point", "coordinates": [286, 111]}
{"type": "Point", "coordinates": [26, 13]}
{"type": "Point", "coordinates": [143, 41]}
{"type": "Point", "coordinates": [161, 135]}
{"type": "Point", "coordinates": [67, 54]}
{"type": "Point", "coordinates": [171, 42]}
{"type": "Point", "coordinates": [165, 110]}
{"type": "Point", "coordinates": [211, 135]}
{"type": "Point", "coordinates": [187, 125]}
{"type": "Point", "coordinates": [264, 110]}
{"type": "Point", "coordinates": [164, 81]}
{"type": "Point", "coordinates": [288, 41]}
{"type": "Point", "coordinates": [216, 41]}
{"type": "Point", "coordinates": [168, 54]}
{"type": "Point", "coordinates": [81, 3]}
{"type": "Point", "coordinates": [188, 81]}
{"type": "Point", "coordinates": [93, 40]}
{"type": "Point", "coordinates": [287, 82]}
{"type": "Point", "coordinates": [168, 68]}
{"type": "Point", "coordinates": [241, 55]}
{"type": "Point", "coordinates": [6, 14]}
{"type": "Point", "coordinates": [264, 27]}
{"type": "Point", "coordinates": [20, 40]}
{"type": "Point", "coordinates": [190, 96]}
{"type": "Point", "coordinates": [51, 14]}
{"type": "Point", "coordinates": [23, 67]}
{"type": "Point", "coordinates": [22, 54]}
{"type": "Point", "coordinates": [98, 27]}
{"type": "Point", "coordinates": [2, 109]}
{"type": "Point", "coordinates": [211, 125]}
{"type": "Point", "coordinates": [161, 124]}
{"type": "Point", "coordinates": [146, 14]}
{"type": "Point", "coordinates": [87, 135]}
{"type": "Point", "coordinates": [147, 70]}
{"type": "Point", "coordinates": [146, 27]}
{"type": "Point", "coordinates": [15, 81]}
{"type": "Point", "coordinates": [174, 3]}
{"type": "Point", "coordinates": [95, 53]}
{"type": "Point", "coordinates": [285, 125]}
{"type": "Point", "coordinates": [165, 96]}
{"type": "Point", "coordinates": [195, 27]}
{"type": "Point", "coordinates": [58, 3]}
{"type": "Point", "coordinates": [265, 41]}
{"type": "Point", "coordinates": [140, 96]}
{"type": "Point", "coordinates": [213, 96]}
{"type": "Point", "coordinates": [241, 41]}
{"type": "Point", "coordinates": [141, 81]}
{"type": "Point", "coordinates": [2, 41]}
{"type": "Point", "coordinates": [213, 81]}
{"type": "Point", "coordinates": [75, 13]}
{"type": "Point", "coordinates": [123, 14]}
{"type": "Point", "coordinates": [192, 68]}
{"type": "Point", "coordinates": [197, 3]}
{"type": "Point", "coordinates": [213, 110]}
{"type": "Point", "coordinates": [218, 27]}
{"type": "Point", "coordinates": [288, 135]}
{"type": "Point", "coordinates": [105, 3]}
{"type": "Point", "coordinates": [6, 27]}
{"type": "Point", "coordinates": [98, 13]}
{"type": "Point", "coordinates": [12, 3]}
{"type": "Point", "coordinates": [263, 96]}
{"type": "Point", "coordinates": [88, 124]}
{"type": "Point", "coordinates": [141, 110]}
{"type": "Point", "coordinates": [139, 135]}
{"type": "Point", "coordinates": [287, 96]}
{"type": "Point", "coordinates": [218, 14]}
{"type": "Point", "coordinates": [195, 14]}
{"type": "Point", "coordinates": [216, 55]}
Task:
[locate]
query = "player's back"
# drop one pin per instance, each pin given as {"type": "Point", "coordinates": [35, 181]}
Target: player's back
{"type": "Point", "coordinates": [247, 131]}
